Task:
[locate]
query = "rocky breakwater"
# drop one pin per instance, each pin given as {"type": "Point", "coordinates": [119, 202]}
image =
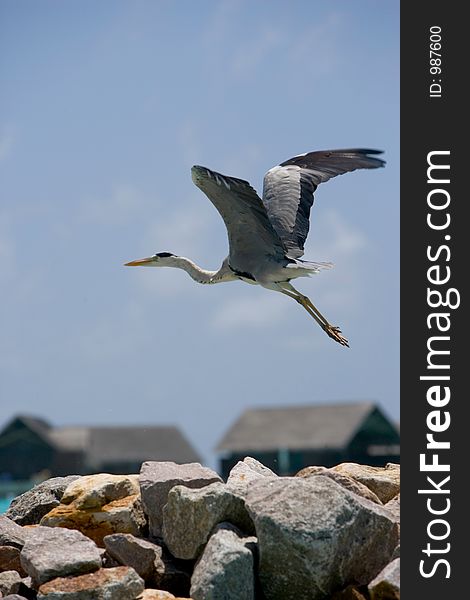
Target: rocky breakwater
{"type": "Point", "coordinates": [179, 531]}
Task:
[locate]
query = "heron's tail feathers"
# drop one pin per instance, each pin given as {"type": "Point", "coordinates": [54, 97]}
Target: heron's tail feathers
{"type": "Point", "coordinates": [318, 266]}
{"type": "Point", "coordinates": [313, 267]}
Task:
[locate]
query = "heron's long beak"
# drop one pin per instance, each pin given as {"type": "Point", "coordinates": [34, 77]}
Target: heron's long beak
{"type": "Point", "coordinates": [140, 262]}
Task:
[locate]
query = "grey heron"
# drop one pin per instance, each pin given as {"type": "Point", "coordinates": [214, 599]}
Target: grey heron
{"type": "Point", "coordinates": [267, 235]}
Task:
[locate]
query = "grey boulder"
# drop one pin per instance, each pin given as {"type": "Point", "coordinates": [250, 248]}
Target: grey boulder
{"type": "Point", "coordinates": [315, 537]}
{"type": "Point", "coordinates": [190, 516]}
{"type": "Point", "coordinates": [225, 570]}
{"type": "Point", "coordinates": [156, 480]}
{"type": "Point", "coordinates": [245, 472]}
{"type": "Point", "coordinates": [11, 534]}
{"type": "Point", "coordinates": [56, 552]}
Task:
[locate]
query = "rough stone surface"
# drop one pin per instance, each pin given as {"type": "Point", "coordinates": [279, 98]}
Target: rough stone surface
{"type": "Point", "coordinates": [13, 597]}
{"type": "Point", "coordinates": [118, 583]}
{"type": "Point", "coordinates": [383, 481]}
{"type": "Point", "coordinates": [9, 582]}
{"type": "Point", "coordinates": [56, 552]}
{"type": "Point", "coordinates": [10, 560]}
{"type": "Point", "coordinates": [190, 516]}
{"type": "Point", "coordinates": [322, 534]}
{"type": "Point", "coordinates": [394, 507]}
{"type": "Point", "coordinates": [245, 472]}
{"type": "Point", "coordinates": [99, 505]}
{"type": "Point", "coordinates": [151, 561]}
{"type": "Point", "coordinates": [156, 480]}
{"type": "Point", "coordinates": [151, 594]}
{"type": "Point", "coordinates": [386, 586]}
{"type": "Point", "coordinates": [11, 534]}
{"type": "Point", "coordinates": [315, 537]}
{"type": "Point", "coordinates": [94, 491]}
{"type": "Point", "coordinates": [347, 482]}
{"type": "Point", "coordinates": [30, 507]}
{"type": "Point", "coordinates": [143, 556]}
{"type": "Point", "coordinates": [225, 570]}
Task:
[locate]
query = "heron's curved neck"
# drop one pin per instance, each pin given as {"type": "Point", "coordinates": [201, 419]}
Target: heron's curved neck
{"type": "Point", "coordinates": [198, 274]}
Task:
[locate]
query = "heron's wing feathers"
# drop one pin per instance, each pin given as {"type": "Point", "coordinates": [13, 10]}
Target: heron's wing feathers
{"type": "Point", "coordinates": [288, 189]}
{"type": "Point", "coordinates": [250, 233]}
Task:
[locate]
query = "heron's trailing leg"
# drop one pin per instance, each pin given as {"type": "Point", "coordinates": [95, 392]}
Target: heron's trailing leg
{"type": "Point", "coordinates": [332, 331]}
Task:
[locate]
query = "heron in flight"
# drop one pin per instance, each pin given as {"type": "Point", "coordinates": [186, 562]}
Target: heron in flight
{"type": "Point", "coordinates": [267, 236]}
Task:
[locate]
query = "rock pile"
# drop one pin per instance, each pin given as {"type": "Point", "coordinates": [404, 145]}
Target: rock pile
{"type": "Point", "coordinates": [178, 531]}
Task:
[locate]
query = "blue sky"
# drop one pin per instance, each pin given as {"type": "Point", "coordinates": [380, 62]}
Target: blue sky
{"type": "Point", "coordinates": [104, 108]}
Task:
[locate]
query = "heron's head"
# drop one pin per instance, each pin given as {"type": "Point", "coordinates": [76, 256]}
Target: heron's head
{"type": "Point", "coordinates": [161, 259]}
{"type": "Point", "coordinates": [198, 173]}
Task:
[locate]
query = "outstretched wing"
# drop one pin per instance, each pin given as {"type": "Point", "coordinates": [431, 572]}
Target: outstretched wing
{"type": "Point", "coordinates": [251, 235]}
{"type": "Point", "coordinates": [288, 189]}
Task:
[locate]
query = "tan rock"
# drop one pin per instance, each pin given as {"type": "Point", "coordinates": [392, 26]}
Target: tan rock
{"type": "Point", "coordinates": [99, 505]}
{"type": "Point", "coordinates": [156, 595]}
{"type": "Point", "coordinates": [383, 481]}
{"type": "Point", "coordinates": [93, 491]}
{"type": "Point", "coordinates": [344, 480]}
{"type": "Point", "coordinates": [150, 594]}
{"type": "Point", "coordinates": [118, 583]}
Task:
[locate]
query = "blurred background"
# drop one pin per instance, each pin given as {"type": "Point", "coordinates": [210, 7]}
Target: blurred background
{"type": "Point", "coordinates": [104, 108]}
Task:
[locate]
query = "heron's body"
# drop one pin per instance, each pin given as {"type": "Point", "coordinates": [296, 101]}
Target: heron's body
{"type": "Point", "coordinates": [267, 236]}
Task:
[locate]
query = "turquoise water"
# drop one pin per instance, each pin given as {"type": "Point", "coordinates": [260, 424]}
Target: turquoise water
{"type": "Point", "coordinates": [4, 504]}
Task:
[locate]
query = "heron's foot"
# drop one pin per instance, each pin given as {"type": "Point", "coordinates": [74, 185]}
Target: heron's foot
{"type": "Point", "coordinates": [335, 334]}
